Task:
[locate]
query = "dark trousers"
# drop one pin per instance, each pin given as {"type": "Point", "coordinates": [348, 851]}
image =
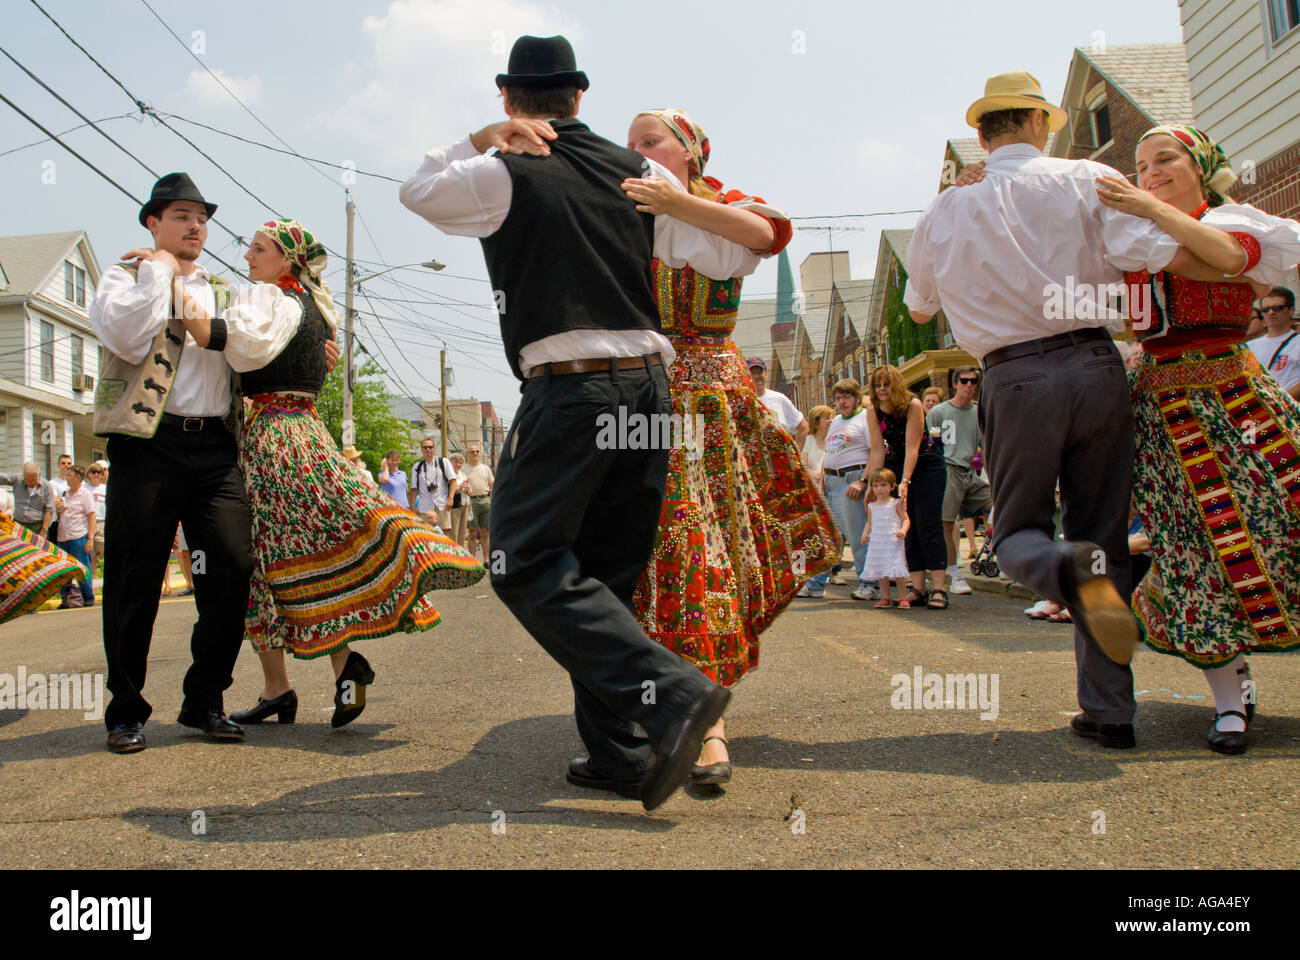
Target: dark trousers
{"type": "Point", "coordinates": [924, 545]}
{"type": "Point", "coordinates": [174, 477]}
{"type": "Point", "coordinates": [1064, 414]}
{"type": "Point", "coordinates": [574, 518]}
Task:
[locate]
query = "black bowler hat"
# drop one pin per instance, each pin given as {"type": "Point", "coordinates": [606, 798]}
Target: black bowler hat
{"type": "Point", "coordinates": [174, 186]}
{"type": "Point", "coordinates": [542, 62]}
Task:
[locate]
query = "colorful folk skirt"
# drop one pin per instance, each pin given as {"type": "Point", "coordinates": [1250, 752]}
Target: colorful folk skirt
{"type": "Point", "coordinates": [334, 558]}
{"type": "Point", "coordinates": [1217, 484]}
{"type": "Point", "coordinates": [31, 570]}
{"type": "Point", "coordinates": [742, 526]}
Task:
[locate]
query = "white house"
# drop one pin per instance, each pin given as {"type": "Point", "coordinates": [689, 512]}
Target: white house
{"type": "Point", "coordinates": [49, 359]}
{"type": "Point", "coordinates": [1243, 64]}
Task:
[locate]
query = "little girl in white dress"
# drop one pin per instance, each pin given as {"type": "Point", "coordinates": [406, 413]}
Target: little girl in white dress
{"type": "Point", "coordinates": [887, 524]}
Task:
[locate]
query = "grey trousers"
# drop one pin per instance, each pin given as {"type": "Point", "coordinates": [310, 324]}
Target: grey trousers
{"type": "Point", "coordinates": [1064, 414]}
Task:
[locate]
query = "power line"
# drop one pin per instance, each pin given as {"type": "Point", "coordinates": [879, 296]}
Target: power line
{"type": "Point", "coordinates": [37, 143]}
{"type": "Point", "coordinates": [229, 91]}
{"type": "Point", "coordinates": [288, 153]}
{"type": "Point", "coordinates": [36, 123]}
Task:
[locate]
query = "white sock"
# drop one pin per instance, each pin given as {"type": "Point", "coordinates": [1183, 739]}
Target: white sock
{"type": "Point", "coordinates": [1226, 687]}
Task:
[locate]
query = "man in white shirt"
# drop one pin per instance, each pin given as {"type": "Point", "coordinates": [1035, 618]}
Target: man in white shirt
{"type": "Point", "coordinates": [59, 484]}
{"type": "Point", "coordinates": [433, 483]}
{"type": "Point", "coordinates": [186, 470]}
{"type": "Point", "coordinates": [479, 480]}
{"type": "Point", "coordinates": [1278, 350]}
{"type": "Point", "coordinates": [786, 413]}
{"type": "Point", "coordinates": [997, 256]}
{"type": "Point", "coordinates": [573, 521]}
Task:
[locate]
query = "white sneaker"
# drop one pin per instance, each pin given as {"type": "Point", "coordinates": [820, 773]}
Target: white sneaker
{"type": "Point", "coordinates": [813, 594]}
{"type": "Point", "coordinates": [958, 583]}
{"type": "Point", "coordinates": [838, 580]}
{"type": "Point", "coordinates": [865, 592]}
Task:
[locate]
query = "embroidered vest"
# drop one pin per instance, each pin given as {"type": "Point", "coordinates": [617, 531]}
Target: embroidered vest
{"type": "Point", "coordinates": [130, 397]}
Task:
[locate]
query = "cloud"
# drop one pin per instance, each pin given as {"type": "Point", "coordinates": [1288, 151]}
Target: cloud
{"type": "Point", "coordinates": [430, 75]}
{"type": "Point", "coordinates": [202, 88]}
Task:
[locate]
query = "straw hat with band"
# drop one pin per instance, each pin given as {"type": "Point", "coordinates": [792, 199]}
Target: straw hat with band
{"type": "Point", "coordinates": [1017, 90]}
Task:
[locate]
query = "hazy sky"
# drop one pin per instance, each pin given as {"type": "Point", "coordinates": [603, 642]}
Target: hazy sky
{"type": "Point", "coordinates": [823, 108]}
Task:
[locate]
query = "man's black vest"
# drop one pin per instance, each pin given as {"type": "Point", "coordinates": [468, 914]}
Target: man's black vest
{"type": "Point", "coordinates": [573, 253]}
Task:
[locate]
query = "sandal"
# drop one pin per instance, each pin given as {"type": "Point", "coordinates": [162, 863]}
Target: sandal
{"type": "Point", "coordinates": [884, 604]}
{"type": "Point", "coordinates": [904, 605]}
{"type": "Point", "coordinates": [915, 597]}
{"type": "Point", "coordinates": [935, 603]}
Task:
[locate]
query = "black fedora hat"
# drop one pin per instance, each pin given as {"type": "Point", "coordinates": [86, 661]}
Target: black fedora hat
{"type": "Point", "coordinates": [542, 62]}
{"type": "Point", "coordinates": [174, 186]}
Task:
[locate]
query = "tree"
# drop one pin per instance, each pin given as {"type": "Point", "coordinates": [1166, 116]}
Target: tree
{"type": "Point", "coordinates": [375, 427]}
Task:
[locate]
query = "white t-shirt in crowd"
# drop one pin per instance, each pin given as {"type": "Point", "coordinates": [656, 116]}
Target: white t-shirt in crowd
{"type": "Point", "coordinates": [847, 442]}
{"type": "Point", "coordinates": [1286, 368]}
{"type": "Point", "coordinates": [813, 452]}
{"type": "Point", "coordinates": [423, 474]}
{"type": "Point", "coordinates": [785, 411]}
{"type": "Point", "coordinates": [60, 488]}
{"type": "Point", "coordinates": [100, 493]}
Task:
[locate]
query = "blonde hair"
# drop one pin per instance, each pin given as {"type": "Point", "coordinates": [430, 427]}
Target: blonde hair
{"type": "Point", "coordinates": [885, 474]}
{"type": "Point", "coordinates": [816, 415]}
{"type": "Point", "coordinates": [937, 391]}
{"type": "Point", "coordinates": [899, 395]}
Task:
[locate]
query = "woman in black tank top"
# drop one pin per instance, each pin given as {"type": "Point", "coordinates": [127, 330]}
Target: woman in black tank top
{"type": "Point", "coordinates": [900, 442]}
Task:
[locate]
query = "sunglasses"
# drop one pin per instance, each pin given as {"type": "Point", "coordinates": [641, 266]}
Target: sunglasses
{"type": "Point", "coordinates": [426, 448]}
{"type": "Point", "coordinates": [1278, 309]}
{"type": "Point", "coordinates": [968, 380]}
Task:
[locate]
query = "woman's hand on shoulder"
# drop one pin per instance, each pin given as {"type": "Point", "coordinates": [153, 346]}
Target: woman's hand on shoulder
{"type": "Point", "coordinates": [653, 195]}
{"type": "Point", "coordinates": [1118, 194]}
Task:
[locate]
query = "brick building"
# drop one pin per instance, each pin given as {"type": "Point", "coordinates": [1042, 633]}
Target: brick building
{"type": "Point", "coordinates": [1116, 94]}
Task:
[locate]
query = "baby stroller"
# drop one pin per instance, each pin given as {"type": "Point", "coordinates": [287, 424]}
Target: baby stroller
{"type": "Point", "coordinates": [985, 564]}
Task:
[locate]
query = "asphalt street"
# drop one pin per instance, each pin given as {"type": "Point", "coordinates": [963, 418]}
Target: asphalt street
{"type": "Point", "coordinates": [459, 758]}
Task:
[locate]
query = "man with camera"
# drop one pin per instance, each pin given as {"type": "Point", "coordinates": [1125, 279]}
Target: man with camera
{"type": "Point", "coordinates": [433, 486]}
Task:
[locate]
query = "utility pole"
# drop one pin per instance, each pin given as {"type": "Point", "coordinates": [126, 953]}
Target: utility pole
{"type": "Point", "coordinates": [348, 431]}
{"type": "Point", "coordinates": [442, 382]}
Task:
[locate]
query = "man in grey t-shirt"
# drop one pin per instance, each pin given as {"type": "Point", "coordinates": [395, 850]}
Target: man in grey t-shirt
{"type": "Point", "coordinates": [957, 424]}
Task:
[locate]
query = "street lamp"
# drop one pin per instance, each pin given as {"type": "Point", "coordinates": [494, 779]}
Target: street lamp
{"type": "Point", "coordinates": [354, 282]}
{"type": "Point", "coordinates": [430, 264]}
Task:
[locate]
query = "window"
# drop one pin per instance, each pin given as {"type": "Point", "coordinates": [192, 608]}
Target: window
{"type": "Point", "coordinates": [74, 284]}
{"type": "Point", "coordinates": [1099, 111]}
{"type": "Point", "coordinates": [78, 356]}
{"type": "Point", "coordinates": [47, 351]}
{"type": "Point", "coordinates": [1283, 17]}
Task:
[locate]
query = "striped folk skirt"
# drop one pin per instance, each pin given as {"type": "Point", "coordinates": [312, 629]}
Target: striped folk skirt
{"type": "Point", "coordinates": [335, 559]}
{"type": "Point", "coordinates": [742, 525]}
{"type": "Point", "coordinates": [31, 570]}
{"type": "Point", "coordinates": [1217, 484]}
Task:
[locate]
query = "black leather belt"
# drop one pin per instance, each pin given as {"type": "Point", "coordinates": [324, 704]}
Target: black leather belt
{"type": "Point", "coordinates": [594, 365]}
{"type": "Point", "coordinates": [1043, 345]}
{"type": "Point", "coordinates": [192, 424]}
{"type": "Point", "coordinates": [847, 470]}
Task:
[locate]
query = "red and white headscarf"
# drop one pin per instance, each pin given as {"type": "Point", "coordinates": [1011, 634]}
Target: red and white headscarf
{"type": "Point", "coordinates": [686, 130]}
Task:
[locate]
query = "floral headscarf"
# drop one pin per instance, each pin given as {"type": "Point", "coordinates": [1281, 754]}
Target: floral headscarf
{"type": "Point", "coordinates": [296, 242]}
{"type": "Point", "coordinates": [687, 131]}
{"type": "Point", "coordinates": [1216, 174]}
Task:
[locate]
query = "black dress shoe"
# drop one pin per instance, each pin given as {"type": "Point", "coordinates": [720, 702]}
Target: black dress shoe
{"type": "Point", "coordinates": [713, 773]}
{"type": "Point", "coordinates": [212, 722]}
{"type": "Point", "coordinates": [581, 774]}
{"type": "Point", "coordinates": [1226, 741]}
{"type": "Point", "coordinates": [677, 750]}
{"type": "Point", "coordinates": [1102, 612]}
{"type": "Point", "coordinates": [1117, 735]}
{"type": "Point", "coordinates": [350, 689]}
{"type": "Point", "coordinates": [285, 705]}
{"type": "Point", "coordinates": [127, 738]}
